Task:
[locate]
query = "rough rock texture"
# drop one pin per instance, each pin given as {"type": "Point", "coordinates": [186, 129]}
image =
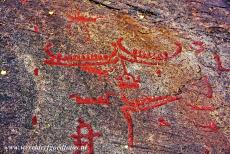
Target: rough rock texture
{"type": "Point", "coordinates": [152, 26]}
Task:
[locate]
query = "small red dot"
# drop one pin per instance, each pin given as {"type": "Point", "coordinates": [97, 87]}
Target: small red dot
{"type": "Point", "coordinates": [36, 29]}
{"type": "Point", "coordinates": [34, 120]}
{"type": "Point", "coordinates": [36, 71]}
{"type": "Point", "coordinates": [158, 72]}
{"type": "Point", "coordinates": [163, 122]}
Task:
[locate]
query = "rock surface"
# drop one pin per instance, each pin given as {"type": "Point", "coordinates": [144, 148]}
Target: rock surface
{"type": "Point", "coordinates": [31, 85]}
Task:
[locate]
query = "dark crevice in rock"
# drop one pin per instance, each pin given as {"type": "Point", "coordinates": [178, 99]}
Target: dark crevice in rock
{"type": "Point", "coordinates": [105, 5]}
{"type": "Point", "coordinates": [145, 11]}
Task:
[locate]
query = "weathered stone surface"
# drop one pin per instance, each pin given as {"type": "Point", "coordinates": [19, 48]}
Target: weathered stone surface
{"type": "Point", "coordinates": [153, 26]}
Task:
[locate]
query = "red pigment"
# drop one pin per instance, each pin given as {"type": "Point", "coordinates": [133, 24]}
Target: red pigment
{"type": "Point", "coordinates": [36, 29]}
{"type": "Point", "coordinates": [219, 65]}
{"type": "Point", "coordinates": [36, 71]}
{"type": "Point", "coordinates": [23, 2]}
{"type": "Point", "coordinates": [202, 87]}
{"type": "Point", "coordinates": [203, 108]}
{"type": "Point", "coordinates": [34, 120]}
{"type": "Point", "coordinates": [79, 18]}
{"type": "Point", "coordinates": [126, 112]}
{"type": "Point", "coordinates": [206, 151]}
{"type": "Point", "coordinates": [80, 60]}
{"type": "Point", "coordinates": [209, 91]}
{"type": "Point", "coordinates": [125, 81]}
{"type": "Point", "coordinates": [95, 71]}
{"type": "Point", "coordinates": [47, 49]}
{"type": "Point", "coordinates": [163, 122]}
{"type": "Point", "coordinates": [82, 140]}
{"type": "Point", "coordinates": [147, 55]}
{"type": "Point", "coordinates": [86, 60]}
{"type": "Point", "coordinates": [128, 81]}
{"type": "Point", "coordinates": [100, 100]}
{"type": "Point", "coordinates": [211, 127]}
{"type": "Point", "coordinates": [139, 106]}
{"type": "Point", "coordinates": [198, 46]}
{"type": "Point", "coordinates": [158, 72]}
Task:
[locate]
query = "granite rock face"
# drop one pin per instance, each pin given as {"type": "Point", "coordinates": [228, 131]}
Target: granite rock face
{"type": "Point", "coordinates": [149, 76]}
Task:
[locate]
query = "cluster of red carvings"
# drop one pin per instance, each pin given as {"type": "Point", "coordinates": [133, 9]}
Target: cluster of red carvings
{"type": "Point", "coordinates": [90, 62]}
{"type": "Point", "coordinates": [120, 55]}
{"type": "Point", "coordinates": [199, 47]}
{"type": "Point", "coordinates": [100, 100]}
{"type": "Point", "coordinates": [208, 93]}
{"type": "Point", "coordinates": [82, 20]}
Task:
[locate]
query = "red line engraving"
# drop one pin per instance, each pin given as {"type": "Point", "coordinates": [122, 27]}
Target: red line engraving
{"type": "Point", "coordinates": [202, 87]}
{"type": "Point", "coordinates": [209, 87]}
{"type": "Point", "coordinates": [219, 65]}
{"type": "Point", "coordinates": [100, 100]}
{"type": "Point", "coordinates": [127, 115]}
{"type": "Point", "coordinates": [89, 136]}
{"type": "Point", "coordinates": [145, 103]}
{"type": "Point", "coordinates": [36, 71]}
{"type": "Point", "coordinates": [48, 51]}
{"type": "Point", "coordinates": [121, 55]}
{"type": "Point", "coordinates": [80, 19]}
{"type": "Point", "coordinates": [211, 127]}
{"type": "Point", "coordinates": [163, 122]}
{"type": "Point", "coordinates": [126, 80]}
{"type": "Point", "coordinates": [95, 71]}
{"type": "Point", "coordinates": [34, 120]}
{"type": "Point", "coordinates": [203, 108]}
{"type": "Point", "coordinates": [86, 60]}
{"type": "Point", "coordinates": [140, 105]}
{"type": "Point", "coordinates": [198, 46]}
{"type": "Point", "coordinates": [113, 58]}
{"type": "Point", "coordinates": [137, 54]}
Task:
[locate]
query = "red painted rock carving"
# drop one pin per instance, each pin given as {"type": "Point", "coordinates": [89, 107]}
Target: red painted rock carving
{"type": "Point", "coordinates": [84, 139]}
{"type": "Point", "coordinates": [23, 2]}
{"type": "Point", "coordinates": [202, 108]}
{"type": "Point", "coordinates": [83, 20]}
{"type": "Point", "coordinates": [163, 122]}
{"type": "Point", "coordinates": [100, 100]}
{"type": "Point", "coordinates": [34, 120]}
{"type": "Point", "coordinates": [119, 55]}
{"type": "Point", "coordinates": [127, 80]}
{"type": "Point", "coordinates": [36, 71]}
{"type": "Point", "coordinates": [36, 29]}
{"type": "Point", "coordinates": [140, 105]}
{"type": "Point", "coordinates": [104, 59]}
{"type": "Point", "coordinates": [211, 127]}
{"type": "Point", "coordinates": [78, 18]}
{"type": "Point", "coordinates": [219, 65]}
{"type": "Point", "coordinates": [202, 87]}
{"type": "Point", "coordinates": [158, 72]}
{"type": "Point", "coordinates": [198, 46]}
{"type": "Point", "coordinates": [93, 70]}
